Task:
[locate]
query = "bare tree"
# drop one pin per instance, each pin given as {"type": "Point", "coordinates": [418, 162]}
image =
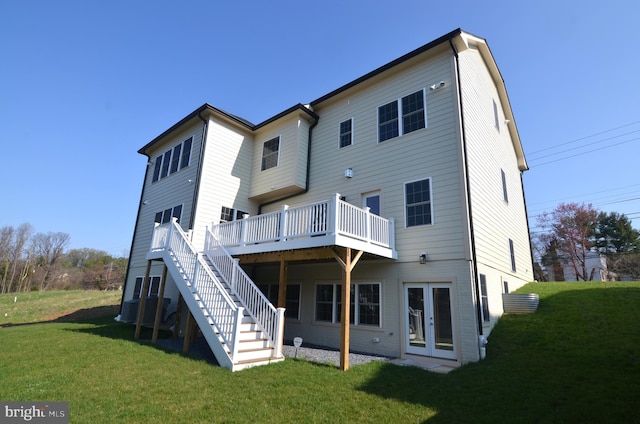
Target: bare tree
{"type": "Point", "coordinates": [48, 249]}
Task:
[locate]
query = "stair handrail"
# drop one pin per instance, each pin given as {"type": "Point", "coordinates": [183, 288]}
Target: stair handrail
{"type": "Point", "coordinates": [216, 301]}
{"type": "Point", "coordinates": [268, 318]}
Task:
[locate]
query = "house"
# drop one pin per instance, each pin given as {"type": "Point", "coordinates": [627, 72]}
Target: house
{"type": "Point", "coordinates": [595, 268]}
{"type": "Point", "coordinates": [395, 200]}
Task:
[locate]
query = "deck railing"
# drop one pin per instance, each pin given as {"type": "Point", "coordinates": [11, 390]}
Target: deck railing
{"type": "Point", "coordinates": [222, 310]}
{"type": "Point", "coordinates": [331, 217]}
{"type": "Point", "coordinates": [269, 319]}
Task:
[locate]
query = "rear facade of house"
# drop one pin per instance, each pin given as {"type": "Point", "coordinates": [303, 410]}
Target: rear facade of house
{"type": "Point", "coordinates": [422, 155]}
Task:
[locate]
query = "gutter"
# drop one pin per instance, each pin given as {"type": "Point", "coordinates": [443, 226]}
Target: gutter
{"type": "Point", "coordinates": [133, 239]}
{"type": "Point", "coordinates": [476, 284]}
{"type": "Point", "coordinates": [306, 185]}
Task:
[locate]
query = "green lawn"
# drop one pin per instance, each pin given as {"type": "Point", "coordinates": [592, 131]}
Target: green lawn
{"type": "Point", "coordinates": [574, 361]}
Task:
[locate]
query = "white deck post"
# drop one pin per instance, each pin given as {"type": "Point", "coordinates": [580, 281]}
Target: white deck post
{"type": "Point", "coordinates": [392, 233]}
{"type": "Point", "coordinates": [283, 223]}
{"type": "Point", "coordinates": [243, 230]}
{"type": "Point", "coordinates": [169, 235]}
{"type": "Point", "coordinates": [236, 333]}
{"type": "Point", "coordinates": [279, 334]}
{"type": "Point", "coordinates": [334, 212]}
{"type": "Point", "coordinates": [367, 215]}
{"type": "Point", "coordinates": [195, 272]}
{"type": "Point", "coordinates": [154, 236]}
{"type": "Point", "coordinates": [234, 274]}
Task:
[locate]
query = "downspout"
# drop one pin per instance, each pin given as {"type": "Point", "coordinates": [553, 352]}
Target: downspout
{"type": "Point", "coordinates": [476, 285]}
{"type": "Point", "coordinates": [135, 227]}
{"type": "Point", "coordinates": [306, 185]}
{"type": "Point", "coordinates": [196, 191]}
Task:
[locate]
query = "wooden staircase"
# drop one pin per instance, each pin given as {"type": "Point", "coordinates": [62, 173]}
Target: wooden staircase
{"type": "Point", "coordinates": [239, 336]}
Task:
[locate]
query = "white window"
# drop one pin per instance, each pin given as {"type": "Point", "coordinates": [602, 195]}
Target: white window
{"type": "Point", "coordinates": [496, 120]}
{"type": "Point", "coordinates": [346, 133]}
{"type": "Point", "coordinates": [270, 153]}
{"type": "Point", "coordinates": [411, 109]}
{"type": "Point", "coordinates": [418, 204]}
{"type": "Point", "coordinates": [365, 304]}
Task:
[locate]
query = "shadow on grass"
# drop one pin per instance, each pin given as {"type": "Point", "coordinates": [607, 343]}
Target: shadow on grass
{"type": "Point", "coordinates": [77, 315]}
{"type": "Point", "coordinates": [107, 327]}
{"type": "Point", "coordinates": [574, 360]}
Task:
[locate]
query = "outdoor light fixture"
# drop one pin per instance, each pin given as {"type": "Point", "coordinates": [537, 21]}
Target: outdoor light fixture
{"type": "Point", "coordinates": [145, 201]}
{"type": "Point", "coordinates": [348, 173]}
{"type": "Point", "coordinates": [437, 86]}
{"type": "Point", "coordinates": [423, 258]}
{"type": "Point", "coordinates": [297, 342]}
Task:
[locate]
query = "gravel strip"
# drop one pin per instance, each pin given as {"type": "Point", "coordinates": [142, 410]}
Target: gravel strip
{"type": "Point", "coordinates": [328, 356]}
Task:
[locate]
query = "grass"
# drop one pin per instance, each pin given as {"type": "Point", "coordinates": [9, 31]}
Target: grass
{"type": "Point", "coordinates": [575, 360]}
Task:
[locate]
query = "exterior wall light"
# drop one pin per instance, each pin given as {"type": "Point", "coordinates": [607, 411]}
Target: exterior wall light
{"type": "Point", "coordinates": [423, 258]}
{"type": "Point", "coordinates": [348, 173]}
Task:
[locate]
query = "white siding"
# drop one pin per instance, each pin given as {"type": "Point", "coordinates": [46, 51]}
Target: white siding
{"type": "Point", "coordinates": [490, 151]}
{"type": "Point", "coordinates": [431, 152]}
{"type": "Point", "coordinates": [226, 175]}
{"type": "Point", "coordinates": [290, 174]}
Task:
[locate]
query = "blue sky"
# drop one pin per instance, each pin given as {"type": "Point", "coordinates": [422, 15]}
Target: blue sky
{"type": "Point", "coordinates": [85, 84]}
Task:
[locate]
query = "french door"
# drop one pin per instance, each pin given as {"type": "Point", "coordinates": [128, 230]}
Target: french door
{"type": "Point", "coordinates": [429, 327]}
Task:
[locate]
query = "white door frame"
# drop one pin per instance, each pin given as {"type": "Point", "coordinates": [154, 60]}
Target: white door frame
{"type": "Point", "coordinates": [420, 324]}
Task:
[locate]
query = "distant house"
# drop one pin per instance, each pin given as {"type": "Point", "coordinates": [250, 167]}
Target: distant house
{"type": "Point", "coordinates": [386, 217]}
{"type": "Point", "coordinates": [595, 265]}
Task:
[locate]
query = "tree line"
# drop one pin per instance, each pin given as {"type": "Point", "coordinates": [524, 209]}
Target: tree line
{"type": "Point", "coordinates": [32, 260]}
{"type": "Point", "coordinates": [572, 233]}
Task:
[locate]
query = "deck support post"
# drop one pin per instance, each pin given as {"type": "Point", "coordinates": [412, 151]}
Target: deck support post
{"type": "Point", "coordinates": [347, 264]}
{"type": "Point", "coordinates": [282, 288]}
{"type": "Point", "coordinates": [176, 323]}
{"type": "Point", "coordinates": [156, 322]}
{"type": "Point", "coordinates": [188, 333]}
{"type": "Point", "coordinates": [143, 298]}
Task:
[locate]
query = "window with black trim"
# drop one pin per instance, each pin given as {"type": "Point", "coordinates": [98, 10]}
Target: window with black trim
{"type": "Point", "coordinates": [154, 286]}
{"type": "Point", "coordinates": [418, 203]}
{"type": "Point", "coordinates": [512, 253]}
{"type": "Point", "coordinates": [365, 304]}
{"type": "Point", "coordinates": [229, 214]}
{"type": "Point", "coordinates": [346, 133]}
{"type": "Point", "coordinates": [292, 298]}
{"type": "Point", "coordinates": [270, 153]}
{"type": "Point", "coordinates": [172, 160]}
{"type": "Point", "coordinates": [412, 110]}
{"type": "Point", "coordinates": [485, 298]}
{"type": "Point", "coordinates": [165, 216]}
{"type": "Point", "coordinates": [505, 195]}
